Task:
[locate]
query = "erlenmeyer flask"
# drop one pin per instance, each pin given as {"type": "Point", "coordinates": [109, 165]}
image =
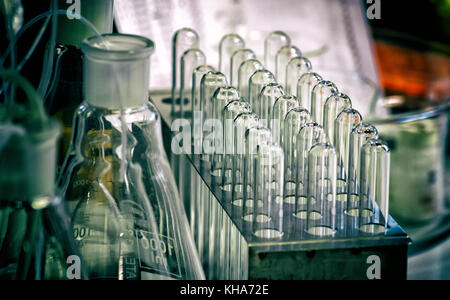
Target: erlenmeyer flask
{"type": "Point", "coordinates": [35, 235]}
{"type": "Point", "coordinates": [127, 217]}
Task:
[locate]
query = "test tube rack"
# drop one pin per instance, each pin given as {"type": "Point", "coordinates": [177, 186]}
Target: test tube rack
{"type": "Point", "coordinates": [229, 250]}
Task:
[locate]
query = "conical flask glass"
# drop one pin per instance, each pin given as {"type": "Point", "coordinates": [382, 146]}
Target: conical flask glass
{"type": "Point", "coordinates": [35, 235]}
{"type": "Point", "coordinates": [127, 217]}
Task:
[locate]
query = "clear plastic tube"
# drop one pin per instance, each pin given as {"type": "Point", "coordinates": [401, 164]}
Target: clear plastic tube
{"type": "Point", "coordinates": [228, 45]}
{"type": "Point", "coordinates": [257, 82]}
{"type": "Point", "coordinates": [197, 116]}
{"type": "Point", "coordinates": [280, 109]}
{"type": "Point", "coordinates": [274, 42]}
{"type": "Point", "coordinates": [344, 124]}
{"type": "Point", "coordinates": [269, 94]}
{"type": "Point", "coordinates": [293, 122]}
{"type": "Point", "coordinates": [241, 123]}
{"type": "Point", "coordinates": [230, 112]}
{"type": "Point", "coordinates": [294, 70]}
{"type": "Point", "coordinates": [321, 206]}
{"type": "Point", "coordinates": [269, 182]}
{"type": "Point", "coordinates": [254, 137]}
{"type": "Point", "coordinates": [284, 56]}
{"type": "Point", "coordinates": [374, 191]}
{"type": "Point", "coordinates": [190, 60]}
{"type": "Point", "coordinates": [333, 107]}
{"type": "Point", "coordinates": [237, 59]}
{"type": "Point", "coordinates": [246, 70]}
{"type": "Point", "coordinates": [221, 98]}
{"type": "Point", "coordinates": [309, 135]}
{"type": "Point", "coordinates": [211, 81]}
{"type": "Point", "coordinates": [182, 40]}
{"type": "Point", "coordinates": [359, 136]}
{"type": "Point", "coordinates": [319, 95]}
{"type": "Point", "coordinates": [305, 85]}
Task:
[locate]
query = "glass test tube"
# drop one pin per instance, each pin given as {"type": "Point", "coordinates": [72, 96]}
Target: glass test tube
{"type": "Point", "coordinates": [294, 70]}
{"type": "Point", "coordinates": [221, 98]}
{"type": "Point", "coordinates": [190, 60]}
{"type": "Point", "coordinates": [319, 95]}
{"type": "Point", "coordinates": [333, 107]}
{"type": "Point", "coordinates": [228, 45]}
{"type": "Point", "coordinates": [321, 206]}
{"type": "Point", "coordinates": [182, 40]}
{"type": "Point", "coordinates": [230, 112]}
{"type": "Point", "coordinates": [257, 82]}
{"type": "Point", "coordinates": [211, 81]}
{"type": "Point", "coordinates": [269, 182]}
{"type": "Point", "coordinates": [280, 109]}
{"type": "Point", "coordinates": [344, 124]}
{"type": "Point", "coordinates": [246, 70]}
{"type": "Point", "coordinates": [359, 136]}
{"type": "Point", "coordinates": [274, 42]}
{"type": "Point", "coordinates": [241, 123]}
{"type": "Point", "coordinates": [254, 137]}
{"type": "Point", "coordinates": [237, 59]}
{"type": "Point", "coordinates": [284, 56]}
{"type": "Point", "coordinates": [309, 135]}
{"type": "Point", "coordinates": [374, 191]}
{"type": "Point", "coordinates": [197, 116]}
{"type": "Point", "coordinates": [305, 85]}
{"type": "Point", "coordinates": [293, 122]}
{"type": "Point", "coordinates": [269, 94]}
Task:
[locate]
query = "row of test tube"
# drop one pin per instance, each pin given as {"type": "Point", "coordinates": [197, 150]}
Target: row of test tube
{"type": "Point", "coordinates": [284, 148]}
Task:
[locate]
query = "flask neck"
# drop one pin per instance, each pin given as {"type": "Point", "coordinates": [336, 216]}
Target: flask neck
{"type": "Point", "coordinates": [116, 70]}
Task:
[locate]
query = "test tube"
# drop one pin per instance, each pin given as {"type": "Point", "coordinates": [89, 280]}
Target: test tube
{"type": "Point", "coordinates": [280, 109]}
{"type": "Point", "coordinates": [305, 85]}
{"type": "Point", "coordinates": [237, 59]}
{"type": "Point", "coordinates": [359, 136]}
{"type": "Point", "coordinates": [309, 135]}
{"type": "Point", "coordinates": [241, 123]}
{"type": "Point", "coordinates": [344, 124]}
{"type": "Point", "coordinates": [321, 206]}
{"type": "Point", "coordinates": [257, 82]}
{"type": "Point", "coordinates": [293, 122]}
{"type": "Point", "coordinates": [374, 188]}
{"type": "Point", "coordinates": [267, 97]}
{"type": "Point", "coordinates": [333, 107]}
{"type": "Point", "coordinates": [211, 81]}
{"type": "Point", "coordinates": [284, 56]}
{"type": "Point", "coordinates": [182, 40]}
{"type": "Point", "coordinates": [246, 70]}
{"type": "Point", "coordinates": [274, 42]}
{"type": "Point", "coordinates": [190, 60]}
{"type": "Point", "coordinates": [228, 45]}
{"type": "Point", "coordinates": [197, 116]}
{"type": "Point", "coordinates": [254, 137]}
{"type": "Point", "coordinates": [221, 98]}
{"type": "Point", "coordinates": [294, 70]}
{"type": "Point", "coordinates": [230, 112]}
{"type": "Point", "coordinates": [269, 182]}
{"type": "Point", "coordinates": [319, 95]}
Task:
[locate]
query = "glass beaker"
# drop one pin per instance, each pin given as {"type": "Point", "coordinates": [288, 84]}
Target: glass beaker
{"type": "Point", "coordinates": [127, 217]}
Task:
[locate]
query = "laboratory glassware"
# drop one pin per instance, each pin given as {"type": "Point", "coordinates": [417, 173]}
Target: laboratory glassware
{"type": "Point", "coordinates": [237, 59]}
{"type": "Point", "coordinates": [228, 45]}
{"type": "Point", "coordinates": [296, 67]}
{"type": "Point", "coordinates": [246, 70]}
{"type": "Point", "coordinates": [319, 95]}
{"type": "Point", "coordinates": [284, 56]}
{"type": "Point", "coordinates": [333, 107]}
{"type": "Point", "coordinates": [266, 100]}
{"type": "Point", "coordinates": [305, 85]}
{"type": "Point", "coordinates": [374, 187]}
{"type": "Point", "coordinates": [182, 40]}
{"type": "Point", "coordinates": [256, 83]}
{"type": "Point", "coordinates": [190, 61]}
{"type": "Point", "coordinates": [280, 109]}
{"type": "Point", "coordinates": [274, 42]}
{"type": "Point", "coordinates": [122, 196]}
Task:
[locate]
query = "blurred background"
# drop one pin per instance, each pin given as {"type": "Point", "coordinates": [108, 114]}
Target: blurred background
{"type": "Point", "coordinates": [391, 57]}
